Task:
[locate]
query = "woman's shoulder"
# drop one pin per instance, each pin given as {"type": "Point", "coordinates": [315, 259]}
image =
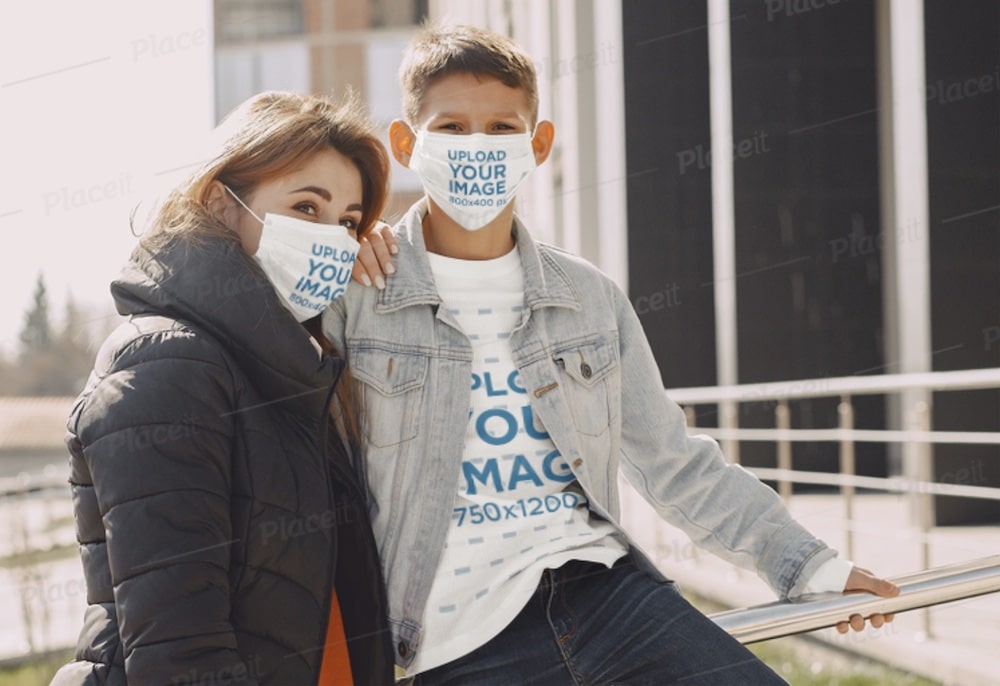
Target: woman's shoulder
{"type": "Point", "coordinates": [153, 367]}
{"type": "Point", "coordinates": [148, 338]}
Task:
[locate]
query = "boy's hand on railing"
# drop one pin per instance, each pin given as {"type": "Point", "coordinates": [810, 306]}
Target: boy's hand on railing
{"type": "Point", "coordinates": [374, 261]}
{"type": "Point", "coordinates": [863, 581]}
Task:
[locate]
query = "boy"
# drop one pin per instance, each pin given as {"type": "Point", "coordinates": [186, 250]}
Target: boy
{"type": "Point", "coordinates": [495, 504]}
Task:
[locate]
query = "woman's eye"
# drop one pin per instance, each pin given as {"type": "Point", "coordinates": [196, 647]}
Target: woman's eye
{"type": "Point", "coordinates": [349, 222]}
{"type": "Point", "coordinates": [307, 208]}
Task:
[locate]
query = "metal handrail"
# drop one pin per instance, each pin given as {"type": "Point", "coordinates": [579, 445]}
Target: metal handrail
{"type": "Point", "coordinates": [965, 379]}
{"type": "Point", "coordinates": [914, 435]}
{"type": "Point", "coordinates": [891, 484]}
{"type": "Point", "coordinates": [858, 435]}
{"type": "Point", "coordinates": [819, 611]}
{"type": "Point", "coordinates": [34, 482]}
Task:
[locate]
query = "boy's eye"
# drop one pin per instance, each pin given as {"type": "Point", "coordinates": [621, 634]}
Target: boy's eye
{"type": "Point", "coordinates": [504, 127]}
{"type": "Point", "coordinates": [451, 126]}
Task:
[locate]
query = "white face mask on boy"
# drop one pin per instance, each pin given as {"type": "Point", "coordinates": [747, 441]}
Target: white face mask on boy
{"type": "Point", "coordinates": [309, 264]}
{"type": "Point", "coordinates": [472, 177]}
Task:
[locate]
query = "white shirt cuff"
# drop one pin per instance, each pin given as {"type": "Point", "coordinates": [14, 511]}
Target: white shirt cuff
{"type": "Point", "coordinates": [830, 577]}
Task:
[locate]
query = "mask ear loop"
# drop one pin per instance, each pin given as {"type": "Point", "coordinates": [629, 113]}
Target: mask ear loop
{"type": "Point", "coordinates": [237, 198]}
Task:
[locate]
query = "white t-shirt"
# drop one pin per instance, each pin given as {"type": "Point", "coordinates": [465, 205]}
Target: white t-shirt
{"type": "Point", "coordinates": [518, 507]}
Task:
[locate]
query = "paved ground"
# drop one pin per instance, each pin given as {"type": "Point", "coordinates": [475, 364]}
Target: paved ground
{"type": "Point", "coordinates": [957, 643]}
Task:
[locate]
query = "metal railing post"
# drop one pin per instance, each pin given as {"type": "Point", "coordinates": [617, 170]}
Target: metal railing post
{"type": "Point", "coordinates": [923, 502]}
{"type": "Point", "coordinates": [690, 416]}
{"type": "Point", "coordinates": [783, 422]}
{"type": "Point", "coordinates": [730, 419]}
{"type": "Point", "coordinates": [845, 412]}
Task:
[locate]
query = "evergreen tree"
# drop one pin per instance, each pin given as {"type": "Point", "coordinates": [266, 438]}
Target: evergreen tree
{"type": "Point", "coordinates": [74, 345]}
{"type": "Point", "coordinates": [8, 376]}
{"type": "Point", "coordinates": [51, 362]}
{"type": "Point", "coordinates": [36, 336]}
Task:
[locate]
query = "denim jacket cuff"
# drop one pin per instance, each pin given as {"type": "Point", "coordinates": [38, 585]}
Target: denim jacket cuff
{"type": "Point", "coordinates": [791, 560]}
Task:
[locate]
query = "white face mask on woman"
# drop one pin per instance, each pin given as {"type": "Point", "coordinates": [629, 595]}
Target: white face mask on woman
{"type": "Point", "coordinates": [472, 177]}
{"type": "Point", "coordinates": [309, 264]}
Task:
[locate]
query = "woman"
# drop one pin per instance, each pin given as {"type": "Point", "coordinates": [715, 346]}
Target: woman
{"type": "Point", "coordinates": [223, 532]}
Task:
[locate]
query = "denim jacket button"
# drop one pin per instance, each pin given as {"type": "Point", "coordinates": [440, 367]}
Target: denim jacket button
{"type": "Point", "coordinates": [403, 649]}
{"type": "Point", "coordinates": [585, 370]}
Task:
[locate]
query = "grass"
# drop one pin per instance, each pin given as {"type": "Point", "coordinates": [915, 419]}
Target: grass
{"type": "Point", "coordinates": [805, 662]}
{"type": "Point", "coordinates": [804, 665]}
{"type": "Point", "coordinates": [37, 673]}
{"type": "Point", "coordinates": [38, 556]}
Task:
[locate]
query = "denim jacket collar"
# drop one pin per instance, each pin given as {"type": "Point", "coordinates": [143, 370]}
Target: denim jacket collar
{"type": "Point", "coordinates": [545, 282]}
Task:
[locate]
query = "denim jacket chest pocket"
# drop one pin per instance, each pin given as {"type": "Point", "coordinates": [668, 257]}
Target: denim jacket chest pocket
{"type": "Point", "coordinates": [391, 384]}
{"type": "Point", "coordinates": [592, 379]}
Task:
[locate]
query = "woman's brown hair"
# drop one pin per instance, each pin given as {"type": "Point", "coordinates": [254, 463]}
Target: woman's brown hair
{"type": "Point", "coordinates": [265, 137]}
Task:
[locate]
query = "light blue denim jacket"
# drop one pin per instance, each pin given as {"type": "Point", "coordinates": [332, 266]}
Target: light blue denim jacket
{"type": "Point", "coordinates": [593, 383]}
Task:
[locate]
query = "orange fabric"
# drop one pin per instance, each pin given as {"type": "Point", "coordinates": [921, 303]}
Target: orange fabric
{"type": "Point", "coordinates": [335, 670]}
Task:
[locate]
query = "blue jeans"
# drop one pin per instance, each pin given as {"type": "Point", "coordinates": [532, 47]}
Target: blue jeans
{"type": "Point", "coordinates": [587, 624]}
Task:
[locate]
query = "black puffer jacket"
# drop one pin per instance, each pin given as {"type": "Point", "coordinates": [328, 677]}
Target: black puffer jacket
{"type": "Point", "coordinates": [214, 500]}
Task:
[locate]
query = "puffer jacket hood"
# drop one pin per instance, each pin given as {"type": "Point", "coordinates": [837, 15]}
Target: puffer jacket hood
{"type": "Point", "coordinates": [215, 285]}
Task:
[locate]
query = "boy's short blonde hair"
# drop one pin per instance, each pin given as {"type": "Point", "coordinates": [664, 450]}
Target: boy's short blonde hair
{"type": "Point", "coordinates": [439, 50]}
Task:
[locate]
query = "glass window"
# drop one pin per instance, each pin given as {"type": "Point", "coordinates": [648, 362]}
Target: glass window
{"type": "Point", "coordinates": [242, 21]}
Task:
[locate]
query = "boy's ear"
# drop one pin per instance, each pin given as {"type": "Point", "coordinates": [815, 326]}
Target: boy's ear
{"type": "Point", "coordinates": [401, 141]}
{"type": "Point", "coordinates": [541, 143]}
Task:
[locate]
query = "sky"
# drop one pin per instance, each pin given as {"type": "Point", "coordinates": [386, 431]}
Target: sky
{"type": "Point", "coordinates": [102, 104]}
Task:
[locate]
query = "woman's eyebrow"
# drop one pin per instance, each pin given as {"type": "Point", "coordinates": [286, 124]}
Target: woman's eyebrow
{"type": "Point", "coordinates": [321, 192]}
{"type": "Point", "coordinates": [355, 207]}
